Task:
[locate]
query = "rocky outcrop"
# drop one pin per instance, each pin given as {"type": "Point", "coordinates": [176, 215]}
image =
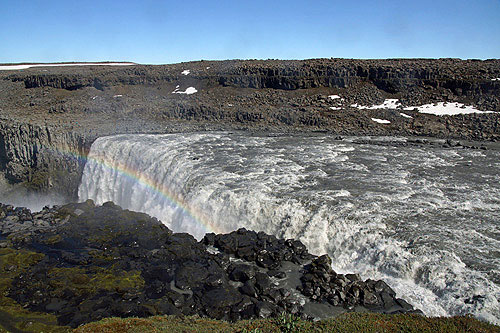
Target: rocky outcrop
{"type": "Point", "coordinates": [412, 78]}
{"type": "Point", "coordinates": [49, 117]}
{"type": "Point", "coordinates": [81, 263]}
{"type": "Point", "coordinates": [43, 157]}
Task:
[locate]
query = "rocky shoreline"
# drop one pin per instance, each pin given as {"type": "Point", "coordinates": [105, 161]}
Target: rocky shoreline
{"type": "Point", "coordinates": [80, 263]}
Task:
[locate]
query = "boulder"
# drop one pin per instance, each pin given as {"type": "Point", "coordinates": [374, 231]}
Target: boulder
{"type": "Point", "coordinates": [87, 262]}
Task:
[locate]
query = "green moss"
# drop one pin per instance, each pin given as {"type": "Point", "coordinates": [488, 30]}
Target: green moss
{"type": "Point", "coordinates": [100, 258]}
{"type": "Point", "coordinates": [120, 281]}
{"type": "Point", "coordinates": [52, 240]}
{"type": "Point", "coordinates": [13, 262]}
{"type": "Point", "coordinates": [106, 235]}
{"type": "Point", "coordinates": [85, 283]}
{"type": "Point", "coordinates": [13, 317]}
{"type": "Point", "coordinates": [37, 180]}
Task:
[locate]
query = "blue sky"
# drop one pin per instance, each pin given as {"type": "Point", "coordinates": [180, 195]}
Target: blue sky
{"type": "Point", "coordinates": [174, 31]}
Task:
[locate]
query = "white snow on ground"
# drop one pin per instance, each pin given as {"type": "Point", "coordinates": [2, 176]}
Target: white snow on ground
{"type": "Point", "coordinates": [208, 67]}
{"type": "Point", "coordinates": [115, 96]}
{"type": "Point", "coordinates": [381, 121]}
{"type": "Point", "coordinates": [497, 79]}
{"type": "Point", "coordinates": [438, 109]}
{"type": "Point", "coordinates": [334, 97]}
{"type": "Point", "coordinates": [186, 72]}
{"type": "Point", "coordinates": [405, 115]}
{"type": "Point", "coordinates": [388, 104]}
{"type": "Point", "coordinates": [17, 67]}
{"type": "Point", "coordinates": [335, 108]}
{"type": "Point", "coordinates": [446, 109]}
{"type": "Point", "coordinates": [188, 91]}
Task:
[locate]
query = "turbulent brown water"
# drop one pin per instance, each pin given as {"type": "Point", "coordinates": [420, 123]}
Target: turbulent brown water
{"type": "Point", "coordinates": [424, 218]}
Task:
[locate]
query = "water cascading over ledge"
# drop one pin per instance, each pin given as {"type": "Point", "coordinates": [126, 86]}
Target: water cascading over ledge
{"type": "Point", "coordinates": [398, 214]}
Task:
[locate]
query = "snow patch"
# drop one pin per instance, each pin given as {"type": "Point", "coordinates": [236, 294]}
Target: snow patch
{"type": "Point", "coordinates": [446, 109]}
{"type": "Point", "coordinates": [186, 72]}
{"type": "Point", "coordinates": [335, 108]}
{"type": "Point", "coordinates": [381, 121]}
{"type": "Point", "coordinates": [116, 96]}
{"type": "Point", "coordinates": [334, 97]}
{"type": "Point", "coordinates": [391, 103]}
{"type": "Point", "coordinates": [208, 67]}
{"type": "Point", "coordinates": [405, 115]}
{"type": "Point", "coordinates": [497, 79]}
{"type": "Point", "coordinates": [438, 109]}
{"type": "Point", "coordinates": [18, 67]}
{"type": "Point", "coordinates": [188, 91]}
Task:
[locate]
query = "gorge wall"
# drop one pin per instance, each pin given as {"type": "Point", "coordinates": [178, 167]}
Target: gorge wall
{"type": "Point", "coordinates": [50, 116]}
{"type": "Point", "coordinates": [449, 78]}
{"type": "Point", "coordinates": [42, 157]}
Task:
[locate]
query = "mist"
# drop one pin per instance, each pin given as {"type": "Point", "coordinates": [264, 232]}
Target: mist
{"type": "Point", "coordinates": [19, 196]}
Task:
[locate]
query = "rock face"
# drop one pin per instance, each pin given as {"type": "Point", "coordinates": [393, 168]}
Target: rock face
{"type": "Point", "coordinates": [42, 157]}
{"type": "Point", "coordinates": [446, 77]}
{"type": "Point", "coordinates": [49, 117]}
{"type": "Point", "coordinates": [86, 263]}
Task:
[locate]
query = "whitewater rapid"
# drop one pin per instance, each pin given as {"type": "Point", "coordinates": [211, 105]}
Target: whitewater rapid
{"type": "Point", "coordinates": [424, 219]}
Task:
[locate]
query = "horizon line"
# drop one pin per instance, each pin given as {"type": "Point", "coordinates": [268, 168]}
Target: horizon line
{"type": "Point", "coordinates": [103, 62]}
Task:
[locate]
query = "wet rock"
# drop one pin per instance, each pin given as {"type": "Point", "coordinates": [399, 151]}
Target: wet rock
{"type": "Point", "coordinates": [353, 277]}
{"type": "Point", "coordinates": [242, 273]}
{"type": "Point", "coordinates": [249, 289]}
{"type": "Point", "coordinates": [276, 274]}
{"type": "Point", "coordinates": [222, 297]}
{"type": "Point", "coordinates": [404, 304]}
{"type": "Point", "coordinates": [265, 310]}
{"type": "Point", "coordinates": [265, 250]}
{"type": "Point", "coordinates": [370, 299]}
{"type": "Point", "coordinates": [262, 282]}
{"type": "Point", "coordinates": [101, 261]}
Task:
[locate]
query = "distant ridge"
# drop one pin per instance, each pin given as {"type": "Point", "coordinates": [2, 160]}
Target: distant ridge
{"type": "Point", "coordinates": [19, 66]}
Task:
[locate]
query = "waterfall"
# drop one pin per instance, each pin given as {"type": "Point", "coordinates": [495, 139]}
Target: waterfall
{"type": "Point", "coordinates": [407, 215]}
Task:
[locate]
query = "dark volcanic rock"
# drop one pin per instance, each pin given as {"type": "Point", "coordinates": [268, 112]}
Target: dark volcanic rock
{"type": "Point", "coordinates": [91, 262]}
{"type": "Point", "coordinates": [265, 250]}
{"type": "Point", "coordinates": [50, 117]}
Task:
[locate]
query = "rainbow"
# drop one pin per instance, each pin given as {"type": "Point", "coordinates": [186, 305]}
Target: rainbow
{"type": "Point", "coordinates": [148, 182]}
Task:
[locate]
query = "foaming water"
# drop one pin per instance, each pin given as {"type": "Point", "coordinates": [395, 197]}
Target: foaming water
{"type": "Point", "coordinates": [424, 219]}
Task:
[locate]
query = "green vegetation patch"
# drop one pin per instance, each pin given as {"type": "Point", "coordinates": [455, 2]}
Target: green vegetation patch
{"type": "Point", "coordinates": [84, 283]}
{"type": "Point", "coordinates": [371, 322]}
{"type": "Point", "coordinates": [14, 262]}
{"type": "Point", "coordinates": [349, 322]}
{"type": "Point", "coordinates": [37, 180]}
{"type": "Point", "coordinates": [13, 317]}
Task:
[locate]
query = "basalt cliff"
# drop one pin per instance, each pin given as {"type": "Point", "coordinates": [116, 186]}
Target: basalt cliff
{"type": "Point", "coordinates": [49, 116]}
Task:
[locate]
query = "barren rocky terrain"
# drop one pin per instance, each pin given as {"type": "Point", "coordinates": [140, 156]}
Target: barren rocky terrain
{"type": "Point", "coordinates": [83, 263]}
{"type": "Point", "coordinates": [77, 263]}
{"type": "Point", "coordinates": [49, 116]}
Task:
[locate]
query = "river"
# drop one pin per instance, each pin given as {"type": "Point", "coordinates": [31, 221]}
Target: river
{"type": "Point", "coordinates": [424, 218]}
